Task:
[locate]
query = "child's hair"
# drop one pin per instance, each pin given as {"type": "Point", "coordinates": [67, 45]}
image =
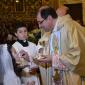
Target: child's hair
{"type": "Point", "coordinates": [19, 24]}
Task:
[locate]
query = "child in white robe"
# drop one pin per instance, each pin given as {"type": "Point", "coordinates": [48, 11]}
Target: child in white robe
{"type": "Point", "coordinates": [24, 52]}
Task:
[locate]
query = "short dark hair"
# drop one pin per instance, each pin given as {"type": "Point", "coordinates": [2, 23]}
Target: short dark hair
{"type": "Point", "coordinates": [19, 24]}
{"type": "Point", "coordinates": [48, 11]}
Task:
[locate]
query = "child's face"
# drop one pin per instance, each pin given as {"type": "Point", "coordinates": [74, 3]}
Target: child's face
{"type": "Point", "coordinates": [21, 33]}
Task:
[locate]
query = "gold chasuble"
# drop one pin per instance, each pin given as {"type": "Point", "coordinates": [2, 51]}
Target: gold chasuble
{"type": "Point", "coordinates": [71, 60]}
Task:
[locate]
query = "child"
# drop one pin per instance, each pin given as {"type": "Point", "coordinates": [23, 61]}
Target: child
{"type": "Point", "coordinates": [24, 52]}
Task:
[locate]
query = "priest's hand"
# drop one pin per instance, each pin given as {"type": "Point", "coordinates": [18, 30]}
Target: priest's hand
{"type": "Point", "coordinates": [45, 59]}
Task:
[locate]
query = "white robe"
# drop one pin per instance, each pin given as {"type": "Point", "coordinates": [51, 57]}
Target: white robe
{"type": "Point", "coordinates": [9, 77]}
{"type": "Point", "coordinates": [31, 49]}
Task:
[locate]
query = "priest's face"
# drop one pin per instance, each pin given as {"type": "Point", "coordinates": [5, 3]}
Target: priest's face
{"type": "Point", "coordinates": [44, 23]}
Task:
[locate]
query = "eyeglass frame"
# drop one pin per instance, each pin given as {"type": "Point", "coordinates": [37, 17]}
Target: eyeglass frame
{"type": "Point", "coordinates": [40, 22]}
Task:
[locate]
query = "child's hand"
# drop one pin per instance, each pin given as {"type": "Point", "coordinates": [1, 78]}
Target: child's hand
{"type": "Point", "coordinates": [24, 54]}
{"type": "Point", "coordinates": [17, 58]}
